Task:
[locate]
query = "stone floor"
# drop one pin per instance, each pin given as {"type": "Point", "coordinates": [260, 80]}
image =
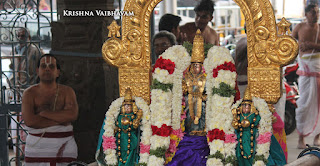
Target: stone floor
{"type": "Point", "coordinates": [292, 142]}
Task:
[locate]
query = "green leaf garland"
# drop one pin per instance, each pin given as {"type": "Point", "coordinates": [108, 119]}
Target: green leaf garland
{"type": "Point", "coordinates": [217, 155]}
{"type": "Point", "coordinates": [231, 160]}
{"type": "Point", "coordinates": [159, 152]}
{"type": "Point", "coordinates": [224, 90]}
{"type": "Point", "coordinates": [158, 85]}
{"type": "Point", "coordinates": [261, 158]}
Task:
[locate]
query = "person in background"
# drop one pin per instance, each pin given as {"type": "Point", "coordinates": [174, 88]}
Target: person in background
{"type": "Point", "coordinates": [307, 113]}
{"type": "Point", "coordinates": [48, 108]}
{"type": "Point", "coordinates": [23, 63]}
{"type": "Point", "coordinates": [204, 14]}
{"type": "Point", "coordinates": [26, 56]}
{"type": "Point", "coordinates": [170, 23]}
{"type": "Point", "coordinates": [162, 41]}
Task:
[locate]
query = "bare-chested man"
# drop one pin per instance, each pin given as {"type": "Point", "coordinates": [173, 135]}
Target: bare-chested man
{"type": "Point", "coordinates": [48, 108]}
{"type": "Point", "coordinates": [307, 113]}
{"type": "Point", "coordinates": [204, 14]}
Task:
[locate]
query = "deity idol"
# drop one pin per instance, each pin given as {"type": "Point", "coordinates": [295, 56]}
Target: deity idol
{"type": "Point", "coordinates": [121, 133]}
{"type": "Point", "coordinates": [254, 134]}
{"type": "Point", "coordinates": [193, 85]}
{"type": "Point", "coordinates": [246, 120]}
{"type": "Point", "coordinates": [127, 131]}
{"type": "Point", "coordinates": [193, 149]}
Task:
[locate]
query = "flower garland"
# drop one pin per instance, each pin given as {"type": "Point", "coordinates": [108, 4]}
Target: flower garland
{"type": "Point", "coordinates": [265, 132]}
{"type": "Point", "coordinates": [166, 90]}
{"type": "Point", "coordinates": [221, 81]}
{"type": "Point", "coordinates": [146, 131]}
{"type": "Point", "coordinates": [109, 141]}
{"type": "Point", "coordinates": [109, 147]}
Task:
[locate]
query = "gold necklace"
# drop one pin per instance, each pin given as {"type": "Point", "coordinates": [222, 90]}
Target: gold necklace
{"type": "Point", "coordinates": [245, 122]}
{"type": "Point", "coordinates": [126, 121]}
{"type": "Point", "coordinates": [251, 132]}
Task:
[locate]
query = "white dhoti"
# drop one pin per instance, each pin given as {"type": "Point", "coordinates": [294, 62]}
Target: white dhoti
{"type": "Point", "coordinates": [51, 146]}
{"type": "Point", "coordinates": [307, 113]}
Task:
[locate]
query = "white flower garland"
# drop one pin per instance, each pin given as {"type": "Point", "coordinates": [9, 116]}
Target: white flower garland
{"type": "Point", "coordinates": [109, 127]}
{"type": "Point", "coordinates": [265, 126]}
{"type": "Point", "coordinates": [218, 115]}
{"type": "Point", "coordinates": [163, 111]}
{"type": "Point", "coordinates": [145, 127]}
{"type": "Point", "coordinates": [214, 162]}
{"type": "Point", "coordinates": [181, 58]}
{"type": "Point", "coordinates": [160, 107]}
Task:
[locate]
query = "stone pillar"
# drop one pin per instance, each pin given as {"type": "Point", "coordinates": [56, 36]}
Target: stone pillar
{"type": "Point", "coordinates": [77, 42]}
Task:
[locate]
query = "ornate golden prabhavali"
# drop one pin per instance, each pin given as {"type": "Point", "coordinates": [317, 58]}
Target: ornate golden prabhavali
{"type": "Point", "coordinates": [268, 48]}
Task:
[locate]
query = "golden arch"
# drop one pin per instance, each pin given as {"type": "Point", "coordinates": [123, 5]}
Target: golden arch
{"type": "Point", "coordinates": [269, 48]}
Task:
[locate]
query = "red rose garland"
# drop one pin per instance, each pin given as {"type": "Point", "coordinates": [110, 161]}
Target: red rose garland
{"type": "Point", "coordinates": [216, 134]}
{"type": "Point", "coordinates": [165, 64]}
{"type": "Point", "coordinates": [164, 131]}
{"type": "Point", "coordinates": [226, 66]}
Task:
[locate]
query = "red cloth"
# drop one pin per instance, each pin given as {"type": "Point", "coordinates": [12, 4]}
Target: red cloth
{"type": "Point", "coordinates": [54, 134]}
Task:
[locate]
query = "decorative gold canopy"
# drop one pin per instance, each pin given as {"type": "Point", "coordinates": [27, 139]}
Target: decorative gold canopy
{"type": "Point", "coordinates": [198, 48]}
{"type": "Point", "coordinates": [268, 50]}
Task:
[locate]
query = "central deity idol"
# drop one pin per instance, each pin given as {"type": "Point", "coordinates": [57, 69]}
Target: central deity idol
{"type": "Point", "coordinates": [193, 85]}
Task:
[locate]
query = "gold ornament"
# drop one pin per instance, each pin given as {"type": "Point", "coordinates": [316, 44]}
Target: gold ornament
{"type": "Point", "coordinates": [125, 121]}
{"type": "Point", "coordinates": [284, 27]}
{"type": "Point", "coordinates": [247, 96]}
{"type": "Point", "coordinates": [196, 120]}
{"type": "Point", "coordinates": [198, 48]}
{"type": "Point", "coordinates": [235, 124]}
{"type": "Point", "coordinates": [128, 97]}
{"type": "Point", "coordinates": [136, 122]}
{"type": "Point", "coordinates": [114, 29]}
{"type": "Point", "coordinates": [245, 123]}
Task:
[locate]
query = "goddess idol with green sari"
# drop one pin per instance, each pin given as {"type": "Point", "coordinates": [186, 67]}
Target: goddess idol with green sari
{"type": "Point", "coordinates": [253, 127]}
{"type": "Point", "coordinates": [120, 134]}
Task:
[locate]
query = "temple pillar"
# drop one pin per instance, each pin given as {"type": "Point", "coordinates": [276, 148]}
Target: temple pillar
{"type": "Point", "coordinates": [77, 42]}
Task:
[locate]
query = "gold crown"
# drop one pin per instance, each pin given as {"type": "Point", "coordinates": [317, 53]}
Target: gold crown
{"type": "Point", "coordinates": [247, 95]}
{"type": "Point", "coordinates": [198, 48]}
{"type": "Point", "coordinates": [128, 96]}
